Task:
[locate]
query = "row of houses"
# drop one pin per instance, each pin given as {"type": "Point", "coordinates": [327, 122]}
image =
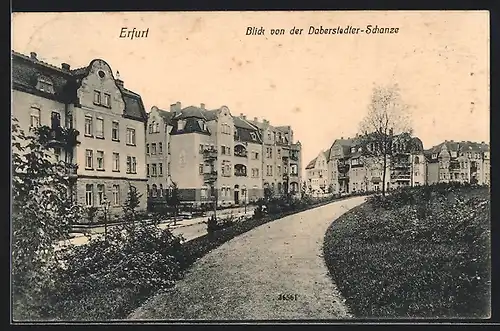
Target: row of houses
{"type": "Point", "coordinates": [208, 154]}
{"type": "Point", "coordinates": [353, 165]}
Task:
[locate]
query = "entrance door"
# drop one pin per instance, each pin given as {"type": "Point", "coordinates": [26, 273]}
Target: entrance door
{"type": "Point", "coordinates": [237, 197]}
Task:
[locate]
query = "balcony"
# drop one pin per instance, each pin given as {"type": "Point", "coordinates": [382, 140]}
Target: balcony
{"type": "Point", "coordinates": [343, 167]}
{"type": "Point", "coordinates": [454, 165]}
{"type": "Point", "coordinates": [241, 153]}
{"type": "Point", "coordinates": [294, 157]}
{"type": "Point", "coordinates": [210, 176]}
{"type": "Point", "coordinates": [285, 159]}
{"type": "Point", "coordinates": [401, 178]}
{"type": "Point", "coordinates": [401, 165]}
{"type": "Point", "coordinates": [210, 153]}
{"type": "Point", "coordinates": [240, 173]}
{"type": "Point", "coordinates": [68, 169]}
{"type": "Point", "coordinates": [57, 136]}
{"type": "Point", "coordinates": [240, 170]}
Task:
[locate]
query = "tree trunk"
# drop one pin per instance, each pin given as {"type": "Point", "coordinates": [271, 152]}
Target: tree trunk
{"type": "Point", "coordinates": [383, 174]}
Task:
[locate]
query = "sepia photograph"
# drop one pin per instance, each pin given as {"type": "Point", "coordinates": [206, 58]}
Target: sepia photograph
{"type": "Point", "coordinates": [250, 166]}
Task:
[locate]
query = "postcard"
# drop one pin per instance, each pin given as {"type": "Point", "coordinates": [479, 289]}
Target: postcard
{"type": "Point", "coordinates": [316, 166]}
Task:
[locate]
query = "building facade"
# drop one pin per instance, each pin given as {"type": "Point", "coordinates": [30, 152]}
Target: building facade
{"type": "Point", "coordinates": [91, 107]}
{"type": "Point", "coordinates": [215, 156]}
{"type": "Point", "coordinates": [318, 175]}
{"type": "Point", "coordinates": [458, 161]}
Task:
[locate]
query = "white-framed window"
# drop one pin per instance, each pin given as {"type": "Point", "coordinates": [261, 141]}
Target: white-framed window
{"type": "Point", "coordinates": [200, 168]}
{"type": "Point", "coordinates": [147, 148]}
{"type": "Point", "coordinates": [252, 134]}
{"type": "Point", "coordinates": [89, 159]}
{"type": "Point", "coordinates": [154, 192]}
{"type": "Point", "coordinates": [88, 125]}
{"type": "Point", "coordinates": [115, 131]}
{"type": "Point", "coordinates": [150, 128]}
{"type": "Point", "coordinates": [153, 149]}
{"type": "Point", "coordinates": [100, 194]}
{"type": "Point", "coordinates": [181, 124]}
{"type": "Point", "coordinates": [160, 190]}
{"type": "Point", "coordinates": [116, 195]}
{"type": "Point", "coordinates": [131, 165]}
{"type": "Point", "coordinates": [99, 128]}
{"type": "Point", "coordinates": [130, 136]}
{"type": "Point", "coordinates": [147, 170]}
{"type": "Point", "coordinates": [100, 160]}
{"type": "Point", "coordinates": [160, 148]}
{"type": "Point", "coordinates": [89, 195]}
{"type": "Point", "coordinates": [35, 117]}
{"type": "Point", "coordinates": [154, 173]}
{"type": "Point", "coordinates": [97, 97]}
{"type": "Point", "coordinates": [45, 84]}
{"type": "Point", "coordinates": [157, 127]}
{"type": "Point", "coordinates": [160, 169]}
{"type": "Point", "coordinates": [116, 161]}
{"type": "Point", "coordinates": [107, 100]}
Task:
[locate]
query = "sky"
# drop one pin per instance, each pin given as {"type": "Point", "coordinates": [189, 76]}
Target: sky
{"type": "Point", "coordinates": [319, 84]}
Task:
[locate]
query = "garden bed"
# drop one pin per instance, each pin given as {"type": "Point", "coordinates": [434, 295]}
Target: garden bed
{"type": "Point", "coordinates": [418, 253]}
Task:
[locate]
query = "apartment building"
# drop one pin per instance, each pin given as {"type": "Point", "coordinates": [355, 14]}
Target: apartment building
{"type": "Point", "coordinates": [282, 158]}
{"type": "Point", "coordinates": [458, 161]}
{"type": "Point", "coordinates": [96, 126]}
{"type": "Point", "coordinates": [213, 154]}
{"type": "Point", "coordinates": [355, 164]}
{"type": "Point", "coordinates": [318, 174]}
{"type": "Point", "coordinates": [157, 155]}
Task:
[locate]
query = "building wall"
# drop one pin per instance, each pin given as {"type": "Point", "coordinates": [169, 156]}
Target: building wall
{"type": "Point", "coordinates": [158, 157]}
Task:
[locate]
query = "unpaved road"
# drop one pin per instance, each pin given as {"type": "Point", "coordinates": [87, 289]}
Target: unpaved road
{"type": "Point", "coordinates": [244, 278]}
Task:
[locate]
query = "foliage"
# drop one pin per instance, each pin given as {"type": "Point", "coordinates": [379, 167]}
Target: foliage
{"type": "Point", "coordinates": [42, 213]}
{"type": "Point", "coordinates": [421, 252]}
{"type": "Point", "coordinates": [129, 265]}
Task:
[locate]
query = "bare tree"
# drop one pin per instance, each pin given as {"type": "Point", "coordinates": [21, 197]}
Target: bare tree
{"type": "Point", "coordinates": [387, 116]}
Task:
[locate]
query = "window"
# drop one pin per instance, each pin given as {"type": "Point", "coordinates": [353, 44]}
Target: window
{"type": "Point", "coordinates": [107, 100]}
{"type": "Point", "coordinates": [100, 160]}
{"type": "Point", "coordinates": [155, 191]}
{"type": "Point", "coordinates": [255, 155]}
{"type": "Point", "coordinates": [147, 170]}
{"type": "Point", "coordinates": [181, 124]}
{"type": "Point", "coordinates": [417, 160]}
{"type": "Point", "coordinates": [99, 127]}
{"type": "Point", "coordinates": [147, 148]}
{"type": "Point", "coordinates": [100, 194]}
{"type": "Point", "coordinates": [150, 128]}
{"type": "Point", "coordinates": [147, 190]}
{"type": "Point", "coordinates": [153, 149]}
{"type": "Point", "coordinates": [115, 131]}
{"type": "Point", "coordinates": [160, 190]}
{"type": "Point", "coordinates": [88, 125]}
{"type": "Point", "coordinates": [160, 148]}
{"type": "Point", "coordinates": [89, 199]}
{"type": "Point", "coordinates": [130, 136]}
{"type": "Point", "coordinates": [153, 170]}
{"type": "Point", "coordinates": [255, 172]}
{"type": "Point", "coordinates": [116, 162]}
{"type": "Point", "coordinates": [157, 127]}
{"type": "Point", "coordinates": [168, 148]}
{"type": "Point", "coordinates": [200, 168]}
{"type": "Point", "coordinates": [55, 119]}
{"type": "Point", "coordinates": [45, 84]}
{"type": "Point", "coordinates": [278, 170]}
{"type": "Point", "coordinates": [168, 167]}
{"type": "Point", "coordinates": [35, 117]}
{"type": "Point", "coordinates": [160, 169]}
{"type": "Point", "coordinates": [116, 195]}
{"type": "Point", "coordinates": [132, 161]}
{"type": "Point", "coordinates": [89, 158]}
{"type": "Point", "coordinates": [97, 97]}
{"type": "Point", "coordinates": [252, 134]}
{"type": "Point", "coordinates": [201, 149]}
{"type": "Point", "coordinates": [269, 170]}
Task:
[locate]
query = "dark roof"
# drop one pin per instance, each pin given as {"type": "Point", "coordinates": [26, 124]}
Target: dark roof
{"type": "Point", "coordinates": [327, 154]}
{"type": "Point", "coordinates": [460, 146]}
{"type": "Point", "coordinates": [312, 164]}
{"type": "Point", "coordinates": [25, 73]}
{"type": "Point", "coordinates": [166, 115]}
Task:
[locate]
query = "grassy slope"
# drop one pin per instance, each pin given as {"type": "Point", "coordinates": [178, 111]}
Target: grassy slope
{"type": "Point", "coordinates": [427, 259]}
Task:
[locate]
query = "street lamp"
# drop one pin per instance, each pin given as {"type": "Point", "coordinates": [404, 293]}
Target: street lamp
{"type": "Point", "coordinates": [105, 206]}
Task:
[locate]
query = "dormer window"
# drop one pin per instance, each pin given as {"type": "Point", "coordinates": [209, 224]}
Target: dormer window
{"type": "Point", "coordinates": [252, 134]}
{"type": "Point", "coordinates": [181, 124]}
{"type": "Point", "coordinates": [434, 155]}
{"type": "Point", "coordinates": [45, 84]}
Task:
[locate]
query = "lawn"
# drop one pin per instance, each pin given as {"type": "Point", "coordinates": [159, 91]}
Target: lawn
{"type": "Point", "coordinates": [419, 253]}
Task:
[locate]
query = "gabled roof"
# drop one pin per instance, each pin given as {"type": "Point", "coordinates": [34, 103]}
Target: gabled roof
{"type": "Point", "coordinates": [26, 70]}
{"type": "Point", "coordinates": [312, 164]}
{"type": "Point", "coordinates": [244, 124]}
{"type": "Point", "coordinates": [460, 146]}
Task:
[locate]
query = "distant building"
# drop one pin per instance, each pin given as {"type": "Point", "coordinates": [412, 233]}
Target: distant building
{"type": "Point", "coordinates": [458, 161]}
{"type": "Point", "coordinates": [317, 174]}
{"type": "Point", "coordinates": [90, 105]}
{"type": "Point", "coordinates": [215, 155]}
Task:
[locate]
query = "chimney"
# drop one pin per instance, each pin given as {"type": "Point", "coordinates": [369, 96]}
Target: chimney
{"type": "Point", "coordinates": [178, 105]}
{"type": "Point", "coordinates": [172, 107]}
{"type": "Point", "coordinates": [202, 105]}
{"type": "Point", "coordinates": [65, 66]}
{"type": "Point", "coordinates": [255, 119]}
{"type": "Point", "coordinates": [118, 81]}
{"type": "Point", "coordinates": [243, 116]}
{"type": "Point", "coordinates": [33, 56]}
